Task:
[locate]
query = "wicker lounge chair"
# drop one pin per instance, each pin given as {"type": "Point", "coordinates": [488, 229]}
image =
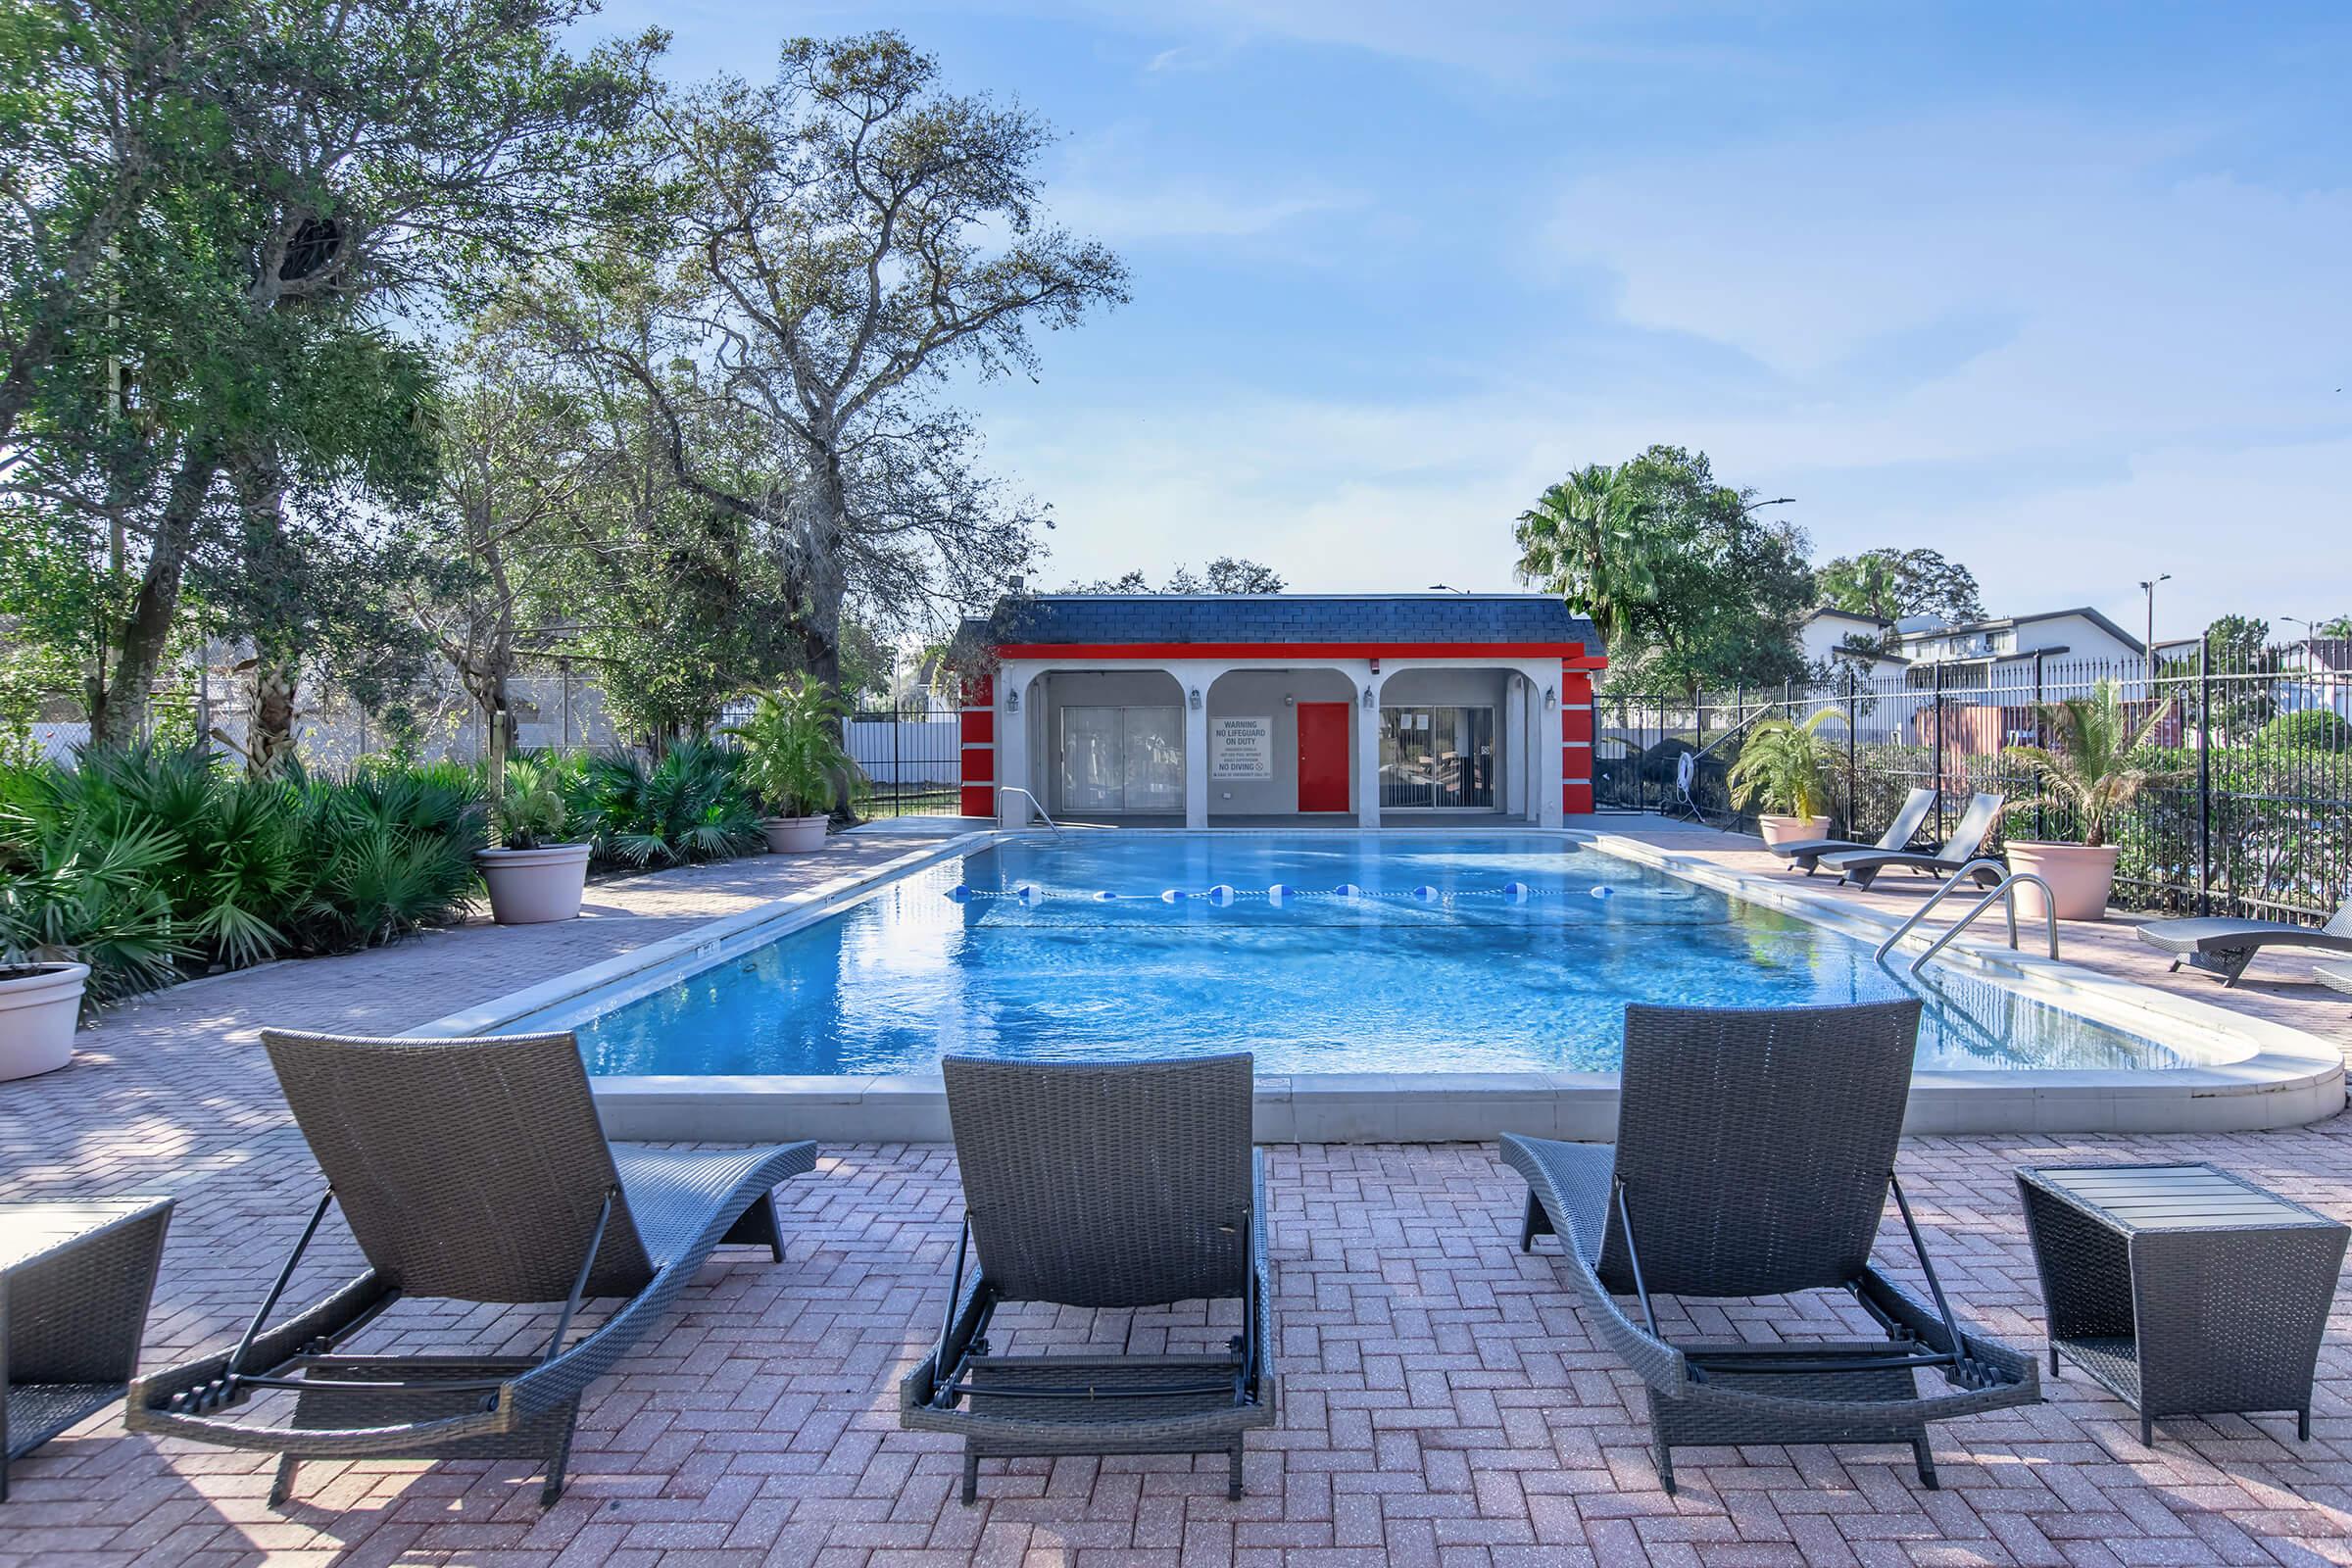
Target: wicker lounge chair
{"type": "Point", "coordinates": [1984, 813]}
{"type": "Point", "coordinates": [2226, 947]}
{"type": "Point", "coordinates": [471, 1170]}
{"type": "Point", "coordinates": [1755, 1155]}
{"type": "Point", "coordinates": [1807, 852]}
{"type": "Point", "coordinates": [2334, 976]}
{"type": "Point", "coordinates": [1120, 1184]}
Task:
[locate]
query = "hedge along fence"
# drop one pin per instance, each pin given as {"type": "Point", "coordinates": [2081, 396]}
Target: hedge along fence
{"type": "Point", "coordinates": [155, 865]}
{"type": "Point", "coordinates": [2253, 816]}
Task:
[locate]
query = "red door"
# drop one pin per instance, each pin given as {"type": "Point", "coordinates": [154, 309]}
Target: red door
{"type": "Point", "coordinates": [1323, 756]}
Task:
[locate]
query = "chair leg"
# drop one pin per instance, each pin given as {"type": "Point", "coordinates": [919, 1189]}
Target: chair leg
{"type": "Point", "coordinates": [1927, 1463]}
{"type": "Point", "coordinates": [2147, 1430]}
{"type": "Point", "coordinates": [758, 1226]}
{"type": "Point", "coordinates": [281, 1486]}
{"type": "Point", "coordinates": [2303, 1425]}
{"type": "Point", "coordinates": [1534, 1223]}
{"type": "Point", "coordinates": [1665, 1466]}
{"type": "Point", "coordinates": [971, 1476]}
{"type": "Point", "coordinates": [558, 1460]}
{"type": "Point", "coordinates": [1233, 1472]}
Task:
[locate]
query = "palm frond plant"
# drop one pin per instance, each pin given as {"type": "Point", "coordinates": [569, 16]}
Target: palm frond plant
{"type": "Point", "coordinates": [2089, 764]}
{"type": "Point", "coordinates": [1586, 540]}
{"type": "Point", "coordinates": [793, 760]}
{"type": "Point", "coordinates": [1783, 765]}
{"type": "Point", "coordinates": [70, 893]}
{"type": "Point", "coordinates": [687, 808]}
{"type": "Point", "coordinates": [532, 812]}
{"type": "Point", "coordinates": [2092, 769]}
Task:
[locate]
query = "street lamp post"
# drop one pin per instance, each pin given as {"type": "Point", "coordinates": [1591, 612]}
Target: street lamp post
{"type": "Point", "coordinates": [2148, 647]}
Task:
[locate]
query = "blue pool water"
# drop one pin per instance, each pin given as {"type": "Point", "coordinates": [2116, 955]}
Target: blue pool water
{"type": "Point", "coordinates": [1456, 977]}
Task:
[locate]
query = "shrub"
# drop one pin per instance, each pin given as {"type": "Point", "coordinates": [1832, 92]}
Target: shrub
{"type": "Point", "coordinates": [793, 760]}
{"type": "Point", "coordinates": [2315, 729]}
{"type": "Point", "coordinates": [531, 811]}
{"type": "Point", "coordinates": [689, 807]}
{"type": "Point", "coordinates": [70, 895]}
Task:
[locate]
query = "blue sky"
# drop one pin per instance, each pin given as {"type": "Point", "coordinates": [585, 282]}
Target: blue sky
{"type": "Point", "coordinates": [2064, 291]}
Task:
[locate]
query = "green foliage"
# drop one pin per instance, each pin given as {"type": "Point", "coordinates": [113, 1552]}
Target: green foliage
{"type": "Point", "coordinates": [251, 869]}
{"type": "Point", "coordinates": [531, 811]}
{"type": "Point", "coordinates": [793, 760]}
{"type": "Point", "coordinates": [1226, 575]}
{"type": "Point", "coordinates": [2314, 729]}
{"type": "Point", "coordinates": [687, 808]}
{"type": "Point", "coordinates": [71, 893]}
{"type": "Point", "coordinates": [2237, 643]}
{"type": "Point", "coordinates": [1586, 540]}
{"type": "Point", "coordinates": [1890, 584]}
{"type": "Point", "coordinates": [1785, 766]}
{"type": "Point", "coordinates": [2089, 764]}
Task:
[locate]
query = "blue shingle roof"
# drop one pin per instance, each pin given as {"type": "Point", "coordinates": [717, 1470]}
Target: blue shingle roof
{"type": "Point", "coordinates": [1112, 618]}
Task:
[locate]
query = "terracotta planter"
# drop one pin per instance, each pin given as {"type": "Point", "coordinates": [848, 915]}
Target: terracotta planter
{"type": "Point", "coordinates": [1792, 829]}
{"type": "Point", "coordinates": [793, 835]}
{"type": "Point", "coordinates": [2080, 878]}
{"type": "Point", "coordinates": [528, 887]}
{"type": "Point", "coordinates": [38, 1012]}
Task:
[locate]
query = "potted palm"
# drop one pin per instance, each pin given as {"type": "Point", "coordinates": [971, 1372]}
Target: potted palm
{"type": "Point", "coordinates": [2087, 767]}
{"type": "Point", "coordinates": [82, 920]}
{"type": "Point", "coordinates": [793, 763]}
{"type": "Point", "coordinates": [534, 875]}
{"type": "Point", "coordinates": [1785, 766]}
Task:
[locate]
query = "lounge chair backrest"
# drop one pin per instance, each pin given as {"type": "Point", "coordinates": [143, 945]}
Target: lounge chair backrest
{"type": "Point", "coordinates": [1906, 821]}
{"type": "Point", "coordinates": [1754, 1144]}
{"type": "Point", "coordinates": [1976, 823]}
{"type": "Point", "coordinates": [471, 1169]}
{"type": "Point", "coordinates": [1113, 1184]}
{"type": "Point", "coordinates": [2339, 924]}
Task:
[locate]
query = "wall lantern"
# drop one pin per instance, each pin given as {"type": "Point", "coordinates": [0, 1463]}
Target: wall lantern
{"type": "Point", "coordinates": [1370, 702]}
{"type": "Point", "coordinates": [1013, 700]}
{"type": "Point", "coordinates": [1288, 700]}
{"type": "Point", "coordinates": [1196, 699]}
{"type": "Point", "coordinates": [1551, 699]}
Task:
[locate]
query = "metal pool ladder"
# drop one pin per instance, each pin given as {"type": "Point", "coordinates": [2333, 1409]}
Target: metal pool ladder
{"type": "Point", "coordinates": [1040, 805]}
{"type": "Point", "coordinates": [2005, 889]}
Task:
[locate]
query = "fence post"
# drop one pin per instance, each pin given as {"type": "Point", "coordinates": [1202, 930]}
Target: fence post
{"type": "Point", "coordinates": [1935, 767]}
{"type": "Point", "coordinates": [2039, 831]}
{"type": "Point", "coordinates": [1854, 783]}
{"type": "Point", "coordinates": [2204, 777]}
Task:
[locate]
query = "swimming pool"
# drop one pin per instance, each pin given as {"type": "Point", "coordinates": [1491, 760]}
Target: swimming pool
{"type": "Point", "coordinates": [1474, 953]}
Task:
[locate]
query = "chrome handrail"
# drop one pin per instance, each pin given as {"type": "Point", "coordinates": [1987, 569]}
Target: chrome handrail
{"type": "Point", "coordinates": [2004, 889]}
{"type": "Point", "coordinates": [1015, 789]}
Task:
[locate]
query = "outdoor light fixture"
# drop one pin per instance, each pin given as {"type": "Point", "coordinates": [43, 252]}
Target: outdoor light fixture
{"type": "Point", "coordinates": [1369, 700]}
{"type": "Point", "coordinates": [1013, 701]}
{"type": "Point", "coordinates": [1196, 699]}
{"type": "Point", "coordinates": [1288, 700]}
{"type": "Point", "coordinates": [1551, 697]}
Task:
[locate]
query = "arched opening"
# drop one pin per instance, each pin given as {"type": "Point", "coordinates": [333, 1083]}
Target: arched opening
{"type": "Point", "coordinates": [1452, 744]}
{"type": "Point", "coordinates": [1282, 743]}
{"type": "Point", "coordinates": [1109, 744]}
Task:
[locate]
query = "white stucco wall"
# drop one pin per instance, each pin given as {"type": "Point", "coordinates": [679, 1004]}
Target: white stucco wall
{"type": "Point", "coordinates": [1260, 693]}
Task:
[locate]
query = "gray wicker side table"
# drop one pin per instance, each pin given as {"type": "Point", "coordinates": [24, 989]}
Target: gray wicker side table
{"type": "Point", "coordinates": [75, 1281]}
{"type": "Point", "coordinates": [2182, 1289]}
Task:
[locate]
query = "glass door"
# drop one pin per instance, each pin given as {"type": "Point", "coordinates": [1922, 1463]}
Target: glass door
{"type": "Point", "coordinates": [1436, 758]}
{"type": "Point", "coordinates": [1122, 760]}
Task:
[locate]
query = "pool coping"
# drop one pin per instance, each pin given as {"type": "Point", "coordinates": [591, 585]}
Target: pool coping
{"type": "Point", "coordinates": [2268, 1075]}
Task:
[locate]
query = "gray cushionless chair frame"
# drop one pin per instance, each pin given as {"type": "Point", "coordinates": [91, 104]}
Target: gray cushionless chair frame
{"type": "Point", "coordinates": [1118, 1185]}
{"type": "Point", "coordinates": [2226, 947]}
{"type": "Point", "coordinates": [1806, 853]}
{"type": "Point", "coordinates": [2334, 976]}
{"type": "Point", "coordinates": [1754, 1156]}
{"type": "Point", "coordinates": [1861, 866]}
{"type": "Point", "coordinates": [471, 1170]}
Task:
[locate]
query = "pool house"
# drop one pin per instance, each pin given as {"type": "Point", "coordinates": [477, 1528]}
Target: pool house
{"type": "Point", "coordinates": [1300, 710]}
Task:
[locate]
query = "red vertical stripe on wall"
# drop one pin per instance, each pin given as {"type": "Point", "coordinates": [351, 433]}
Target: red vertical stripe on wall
{"type": "Point", "coordinates": [979, 800]}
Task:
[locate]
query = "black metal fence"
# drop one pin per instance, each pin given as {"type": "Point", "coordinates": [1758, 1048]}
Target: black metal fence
{"type": "Point", "coordinates": [2249, 811]}
{"type": "Point", "coordinates": [912, 756]}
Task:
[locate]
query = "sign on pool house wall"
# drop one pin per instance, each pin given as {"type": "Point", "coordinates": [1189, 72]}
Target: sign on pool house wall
{"type": "Point", "coordinates": [1241, 747]}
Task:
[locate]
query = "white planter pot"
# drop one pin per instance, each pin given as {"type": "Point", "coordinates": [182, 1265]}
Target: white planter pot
{"type": "Point", "coordinates": [793, 835]}
{"type": "Point", "coordinates": [2080, 878]}
{"type": "Point", "coordinates": [1792, 829]}
{"type": "Point", "coordinates": [38, 1012]}
{"type": "Point", "coordinates": [530, 886]}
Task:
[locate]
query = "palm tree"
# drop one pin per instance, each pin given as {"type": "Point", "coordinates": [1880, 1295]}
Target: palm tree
{"type": "Point", "coordinates": [1585, 541]}
{"type": "Point", "coordinates": [1785, 765]}
{"type": "Point", "coordinates": [2087, 763]}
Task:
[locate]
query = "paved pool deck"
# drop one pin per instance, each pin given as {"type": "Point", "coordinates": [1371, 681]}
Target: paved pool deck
{"type": "Point", "coordinates": [1442, 1403]}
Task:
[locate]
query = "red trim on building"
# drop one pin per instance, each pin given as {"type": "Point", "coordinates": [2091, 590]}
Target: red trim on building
{"type": "Point", "coordinates": [1572, 656]}
{"type": "Point", "coordinates": [977, 726]}
{"type": "Point", "coordinates": [979, 800]}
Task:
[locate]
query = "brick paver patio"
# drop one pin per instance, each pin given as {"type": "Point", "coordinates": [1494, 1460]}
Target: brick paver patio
{"type": "Point", "coordinates": [1442, 1403]}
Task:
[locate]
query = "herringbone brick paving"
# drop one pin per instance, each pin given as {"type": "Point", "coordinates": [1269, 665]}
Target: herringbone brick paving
{"type": "Point", "coordinates": [1442, 1403]}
